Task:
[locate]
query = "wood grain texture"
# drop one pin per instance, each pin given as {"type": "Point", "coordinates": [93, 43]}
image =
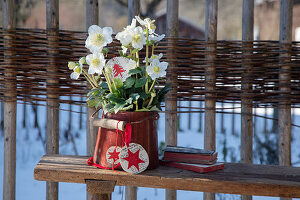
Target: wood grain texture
{"type": "Point", "coordinates": [236, 178]}
{"type": "Point", "coordinates": [246, 107]}
{"type": "Point", "coordinates": [100, 187]}
{"type": "Point", "coordinates": [10, 107]}
{"type": "Point", "coordinates": [133, 9]}
{"type": "Point", "coordinates": [130, 192]}
{"type": "Point", "coordinates": [92, 13]}
{"type": "Point", "coordinates": [52, 138]}
{"type": "Point", "coordinates": [9, 178]}
{"type": "Point", "coordinates": [171, 120]}
{"type": "Point", "coordinates": [211, 18]}
{"type": "Point", "coordinates": [109, 123]}
{"type": "Point", "coordinates": [286, 10]}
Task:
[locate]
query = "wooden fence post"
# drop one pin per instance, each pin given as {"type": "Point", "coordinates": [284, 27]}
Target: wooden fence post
{"type": "Point", "coordinates": [171, 98]}
{"type": "Point", "coordinates": [92, 12]}
{"type": "Point", "coordinates": [246, 112]}
{"type": "Point", "coordinates": [210, 80]}
{"type": "Point", "coordinates": [10, 105]}
{"type": "Point", "coordinates": [286, 18]}
{"type": "Point", "coordinates": [133, 10]}
{"type": "Point", "coordinates": [52, 139]}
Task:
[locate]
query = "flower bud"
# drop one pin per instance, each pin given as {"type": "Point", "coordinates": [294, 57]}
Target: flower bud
{"type": "Point", "coordinates": [71, 65]}
{"type": "Point", "coordinates": [82, 61]}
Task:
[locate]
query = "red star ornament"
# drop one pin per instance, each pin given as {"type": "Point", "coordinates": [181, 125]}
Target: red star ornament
{"type": "Point", "coordinates": [112, 155]}
{"type": "Point", "coordinates": [134, 158]}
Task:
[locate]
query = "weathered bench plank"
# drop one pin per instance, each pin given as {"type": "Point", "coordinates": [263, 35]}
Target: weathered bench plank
{"type": "Point", "coordinates": [236, 178]}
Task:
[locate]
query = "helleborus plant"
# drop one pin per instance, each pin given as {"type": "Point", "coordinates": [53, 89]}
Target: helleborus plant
{"type": "Point", "coordinates": [126, 82]}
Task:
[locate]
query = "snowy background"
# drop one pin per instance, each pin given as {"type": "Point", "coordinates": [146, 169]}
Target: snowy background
{"type": "Point", "coordinates": [31, 131]}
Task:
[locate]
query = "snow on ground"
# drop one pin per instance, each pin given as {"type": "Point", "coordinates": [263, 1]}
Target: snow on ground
{"type": "Point", "coordinates": [30, 148]}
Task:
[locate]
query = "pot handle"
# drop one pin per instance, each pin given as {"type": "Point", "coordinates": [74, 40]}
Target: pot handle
{"type": "Point", "coordinates": [109, 123]}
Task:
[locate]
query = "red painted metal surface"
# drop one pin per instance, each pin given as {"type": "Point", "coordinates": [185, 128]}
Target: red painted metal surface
{"type": "Point", "coordinates": [144, 132]}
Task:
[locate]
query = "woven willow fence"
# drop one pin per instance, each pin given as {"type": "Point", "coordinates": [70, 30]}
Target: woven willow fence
{"type": "Point", "coordinates": [31, 58]}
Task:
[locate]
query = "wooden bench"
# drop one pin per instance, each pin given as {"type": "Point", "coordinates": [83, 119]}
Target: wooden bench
{"type": "Point", "coordinates": [236, 178]}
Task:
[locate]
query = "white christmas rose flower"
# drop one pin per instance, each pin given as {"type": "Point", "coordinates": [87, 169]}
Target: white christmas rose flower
{"type": "Point", "coordinates": [96, 62]}
{"type": "Point", "coordinates": [98, 38]}
{"type": "Point", "coordinates": [125, 36]}
{"type": "Point", "coordinates": [138, 38]}
{"type": "Point", "coordinates": [156, 37]}
{"type": "Point", "coordinates": [131, 64]}
{"type": "Point", "coordinates": [71, 65]}
{"type": "Point", "coordinates": [154, 57]}
{"type": "Point", "coordinates": [124, 50]}
{"type": "Point", "coordinates": [157, 69]}
{"type": "Point", "coordinates": [148, 23]}
{"type": "Point", "coordinates": [76, 72]}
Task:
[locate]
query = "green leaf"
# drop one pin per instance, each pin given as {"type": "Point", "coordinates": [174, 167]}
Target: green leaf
{"type": "Point", "coordinates": [128, 83]}
{"type": "Point", "coordinates": [103, 85]}
{"type": "Point", "coordinates": [113, 98]}
{"type": "Point", "coordinates": [105, 51]}
{"type": "Point", "coordinates": [92, 103]}
{"type": "Point", "coordinates": [154, 108]}
{"type": "Point", "coordinates": [129, 101]}
{"type": "Point", "coordinates": [143, 95]}
{"type": "Point", "coordinates": [134, 51]}
{"type": "Point", "coordinates": [119, 106]}
{"type": "Point", "coordinates": [127, 107]}
{"type": "Point", "coordinates": [161, 94]}
{"type": "Point", "coordinates": [143, 110]}
{"type": "Point", "coordinates": [118, 82]}
{"type": "Point", "coordinates": [134, 71]}
{"type": "Point", "coordinates": [99, 104]}
{"type": "Point", "coordinates": [121, 53]}
{"type": "Point", "coordinates": [108, 108]}
{"type": "Point", "coordinates": [140, 82]}
{"type": "Point", "coordinates": [134, 96]}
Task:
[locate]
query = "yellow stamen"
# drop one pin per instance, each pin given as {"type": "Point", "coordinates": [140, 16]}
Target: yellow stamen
{"type": "Point", "coordinates": [156, 69]}
{"type": "Point", "coordinates": [97, 39]}
{"type": "Point", "coordinates": [77, 70]}
{"type": "Point", "coordinates": [95, 62]}
{"type": "Point", "coordinates": [136, 37]}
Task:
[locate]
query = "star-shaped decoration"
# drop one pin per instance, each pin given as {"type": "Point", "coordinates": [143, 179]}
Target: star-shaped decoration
{"type": "Point", "coordinates": [134, 159]}
{"type": "Point", "coordinates": [114, 155]}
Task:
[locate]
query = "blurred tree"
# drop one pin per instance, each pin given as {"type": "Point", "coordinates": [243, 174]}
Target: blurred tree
{"type": "Point", "coordinates": [23, 9]}
{"type": "Point", "coordinates": [149, 7]}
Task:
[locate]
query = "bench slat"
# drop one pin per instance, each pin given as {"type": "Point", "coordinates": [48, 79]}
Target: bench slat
{"type": "Point", "coordinates": [236, 178]}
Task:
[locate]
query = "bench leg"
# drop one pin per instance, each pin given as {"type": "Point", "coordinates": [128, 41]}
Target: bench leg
{"type": "Point", "coordinates": [99, 190]}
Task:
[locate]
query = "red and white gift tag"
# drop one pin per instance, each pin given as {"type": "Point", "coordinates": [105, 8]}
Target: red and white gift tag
{"type": "Point", "coordinates": [112, 155]}
{"type": "Point", "coordinates": [133, 158]}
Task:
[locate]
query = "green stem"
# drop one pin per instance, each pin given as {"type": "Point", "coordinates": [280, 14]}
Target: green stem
{"type": "Point", "coordinates": [89, 78]}
{"type": "Point", "coordinates": [152, 85]}
{"type": "Point", "coordinates": [108, 82]}
{"type": "Point", "coordinates": [147, 56]}
{"type": "Point", "coordinates": [150, 102]}
{"type": "Point", "coordinates": [94, 80]}
{"type": "Point", "coordinates": [152, 53]}
{"type": "Point", "coordinates": [137, 56]}
{"type": "Point", "coordinates": [89, 81]}
{"type": "Point", "coordinates": [114, 82]}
